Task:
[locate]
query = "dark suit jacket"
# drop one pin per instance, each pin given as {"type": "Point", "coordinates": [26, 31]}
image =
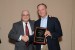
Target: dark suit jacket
{"type": "Point", "coordinates": [18, 30]}
{"type": "Point", "coordinates": [53, 25]}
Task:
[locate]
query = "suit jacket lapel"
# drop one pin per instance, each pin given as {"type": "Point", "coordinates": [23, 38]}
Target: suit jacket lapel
{"type": "Point", "coordinates": [21, 28]}
{"type": "Point", "coordinates": [48, 22]}
{"type": "Point", "coordinates": [39, 21]}
{"type": "Point", "coordinates": [31, 25]}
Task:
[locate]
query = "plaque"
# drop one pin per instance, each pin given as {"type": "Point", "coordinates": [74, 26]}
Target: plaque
{"type": "Point", "coordinates": [39, 37]}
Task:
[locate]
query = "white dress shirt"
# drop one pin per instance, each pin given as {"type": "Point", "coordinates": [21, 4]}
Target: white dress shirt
{"type": "Point", "coordinates": [29, 27]}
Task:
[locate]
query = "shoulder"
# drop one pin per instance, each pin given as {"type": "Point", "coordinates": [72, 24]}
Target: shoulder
{"type": "Point", "coordinates": [54, 18]}
{"type": "Point", "coordinates": [17, 23]}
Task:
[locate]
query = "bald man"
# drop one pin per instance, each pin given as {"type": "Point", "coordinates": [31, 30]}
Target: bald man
{"type": "Point", "coordinates": [22, 32]}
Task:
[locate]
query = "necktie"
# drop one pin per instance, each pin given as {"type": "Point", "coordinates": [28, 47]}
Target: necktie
{"type": "Point", "coordinates": [27, 33]}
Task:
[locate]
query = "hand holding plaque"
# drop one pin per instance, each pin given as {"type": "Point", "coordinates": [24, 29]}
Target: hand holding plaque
{"type": "Point", "coordinates": [39, 37]}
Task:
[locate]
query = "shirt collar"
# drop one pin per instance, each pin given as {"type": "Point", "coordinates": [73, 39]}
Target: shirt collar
{"type": "Point", "coordinates": [25, 22]}
{"type": "Point", "coordinates": [44, 17]}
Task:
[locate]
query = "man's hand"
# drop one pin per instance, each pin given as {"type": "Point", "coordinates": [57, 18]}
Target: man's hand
{"type": "Point", "coordinates": [25, 38]}
{"type": "Point", "coordinates": [47, 33]}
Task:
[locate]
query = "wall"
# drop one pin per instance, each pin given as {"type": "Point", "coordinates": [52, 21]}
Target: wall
{"type": "Point", "coordinates": [10, 11]}
{"type": "Point", "coordinates": [73, 27]}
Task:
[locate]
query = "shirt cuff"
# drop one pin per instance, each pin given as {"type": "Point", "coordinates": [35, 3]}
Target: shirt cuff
{"type": "Point", "coordinates": [20, 38]}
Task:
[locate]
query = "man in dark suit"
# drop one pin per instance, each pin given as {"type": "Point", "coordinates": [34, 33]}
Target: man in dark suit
{"type": "Point", "coordinates": [53, 26]}
{"type": "Point", "coordinates": [22, 32]}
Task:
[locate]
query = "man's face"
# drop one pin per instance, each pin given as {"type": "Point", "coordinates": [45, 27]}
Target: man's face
{"type": "Point", "coordinates": [42, 10]}
{"type": "Point", "coordinates": [25, 16]}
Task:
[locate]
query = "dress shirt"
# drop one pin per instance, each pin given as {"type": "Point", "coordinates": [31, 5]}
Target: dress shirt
{"type": "Point", "coordinates": [29, 27]}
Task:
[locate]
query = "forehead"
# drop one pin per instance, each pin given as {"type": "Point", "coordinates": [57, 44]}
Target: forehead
{"type": "Point", "coordinates": [25, 12]}
{"type": "Point", "coordinates": [41, 6]}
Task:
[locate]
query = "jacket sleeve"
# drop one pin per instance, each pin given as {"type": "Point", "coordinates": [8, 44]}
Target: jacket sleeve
{"type": "Point", "coordinates": [13, 33]}
{"type": "Point", "coordinates": [31, 38]}
{"type": "Point", "coordinates": [57, 30]}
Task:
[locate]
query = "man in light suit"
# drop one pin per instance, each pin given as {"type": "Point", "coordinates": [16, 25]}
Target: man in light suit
{"type": "Point", "coordinates": [22, 32]}
{"type": "Point", "coordinates": [53, 26]}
